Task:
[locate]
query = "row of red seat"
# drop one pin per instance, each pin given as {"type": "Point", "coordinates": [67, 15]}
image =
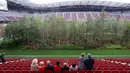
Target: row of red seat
{"type": "Point", "coordinates": [66, 71]}
{"type": "Point", "coordinates": [100, 66]}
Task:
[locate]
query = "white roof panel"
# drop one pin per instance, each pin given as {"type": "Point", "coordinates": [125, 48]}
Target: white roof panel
{"type": "Point", "coordinates": [70, 3]}
{"type": "Point", "coordinates": [63, 3]}
{"type": "Point", "coordinates": [76, 2]}
{"type": "Point", "coordinates": [56, 4]}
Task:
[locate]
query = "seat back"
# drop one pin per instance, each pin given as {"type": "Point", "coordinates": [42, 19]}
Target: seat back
{"type": "Point", "coordinates": [98, 71]}
{"type": "Point", "coordinates": [33, 71]}
{"type": "Point", "coordinates": [9, 71]}
{"type": "Point", "coordinates": [114, 71]}
{"type": "Point", "coordinates": [48, 71]}
{"type": "Point", "coordinates": [123, 71]}
{"type": "Point", "coordinates": [106, 71]}
{"type": "Point", "coordinates": [41, 72]}
{"type": "Point", "coordinates": [89, 71]}
{"type": "Point", "coordinates": [25, 71]}
{"type": "Point", "coordinates": [81, 71]}
{"type": "Point", "coordinates": [2, 71]}
{"type": "Point", "coordinates": [128, 71]}
{"type": "Point", "coordinates": [65, 71]}
{"type": "Point", "coordinates": [17, 71]}
{"type": "Point", "coordinates": [73, 71]}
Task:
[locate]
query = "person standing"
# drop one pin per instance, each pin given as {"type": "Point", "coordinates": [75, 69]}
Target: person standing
{"type": "Point", "coordinates": [2, 57]}
{"type": "Point", "coordinates": [89, 62]}
{"type": "Point", "coordinates": [81, 61]}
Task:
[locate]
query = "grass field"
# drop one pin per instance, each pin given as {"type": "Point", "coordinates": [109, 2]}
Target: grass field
{"type": "Point", "coordinates": [63, 52]}
{"type": "Point", "coordinates": [66, 52]}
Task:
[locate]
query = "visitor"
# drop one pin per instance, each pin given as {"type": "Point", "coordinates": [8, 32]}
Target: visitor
{"type": "Point", "coordinates": [2, 57]}
{"type": "Point", "coordinates": [41, 66]}
{"type": "Point", "coordinates": [49, 66]}
{"type": "Point", "coordinates": [34, 65]}
{"type": "Point", "coordinates": [74, 67]}
{"type": "Point", "coordinates": [57, 67]}
{"type": "Point", "coordinates": [89, 62]}
{"type": "Point", "coordinates": [81, 61]}
{"type": "Point", "coordinates": [65, 67]}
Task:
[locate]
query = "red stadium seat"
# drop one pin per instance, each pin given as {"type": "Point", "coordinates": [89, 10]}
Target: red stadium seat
{"type": "Point", "coordinates": [65, 71]}
{"type": "Point", "coordinates": [57, 71]}
{"type": "Point", "coordinates": [41, 72]}
{"type": "Point", "coordinates": [106, 71]}
{"type": "Point", "coordinates": [98, 71]}
{"type": "Point", "coordinates": [106, 68]}
{"type": "Point", "coordinates": [123, 71]}
{"type": "Point", "coordinates": [25, 68]}
{"type": "Point", "coordinates": [81, 71]}
{"type": "Point", "coordinates": [127, 68]}
{"type": "Point", "coordinates": [90, 71]}
{"type": "Point", "coordinates": [9, 71]}
{"type": "Point", "coordinates": [17, 71]}
{"type": "Point", "coordinates": [18, 68]}
{"type": "Point", "coordinates": [74, 71]}
{"type": "Point", "coordinates": [48, 71]}
{"type": "Point", "coordinates": [114, 68]}
{"type": "Point", "coordinates": [33, 71]}
{"type": "Point", "coordinates": [5, 68]}
{"type": "Point", "coordinates": [2, 71]}
{"type": "Point", "coordinates": [114, 71]}
{"type": "Point", "coordinates": [25, 71]}
{"type": "Point", "coordinates": [120, 68]}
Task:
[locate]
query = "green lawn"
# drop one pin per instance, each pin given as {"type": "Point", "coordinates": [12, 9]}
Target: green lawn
{"type": "Point", "coordinates": [20, 51]}
{"type": "Point", "coordinates": [65, 52]}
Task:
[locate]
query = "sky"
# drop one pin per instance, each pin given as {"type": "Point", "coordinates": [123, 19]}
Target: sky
{"type": "Point", "coordinates": [52, 1]}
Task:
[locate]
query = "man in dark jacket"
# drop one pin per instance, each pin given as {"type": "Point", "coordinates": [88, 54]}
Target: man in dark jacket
{"type": "Point", "coordinates": [65, 67]}
{"type": "Point", "coordinates": [89, 62]}
{"type": "Point", "coordinates": [49, 66]}
{"type": "Point", "coordinates": [2, 57]}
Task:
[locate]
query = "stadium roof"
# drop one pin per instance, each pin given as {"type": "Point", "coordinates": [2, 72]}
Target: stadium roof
{"type": "Point", "coordinates": [82, 5]}
{"type": "Point", "coordinates": [71, 3]}
{"type": "Point", "coordinates": [53, 1]}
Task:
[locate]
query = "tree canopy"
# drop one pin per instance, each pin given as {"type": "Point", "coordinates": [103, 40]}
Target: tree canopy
{"type": "Point", "coordinates": [56, 31]}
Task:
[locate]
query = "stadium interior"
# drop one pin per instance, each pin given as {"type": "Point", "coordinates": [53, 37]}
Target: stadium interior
{"type": "Point", "coordinates": [82, 10]}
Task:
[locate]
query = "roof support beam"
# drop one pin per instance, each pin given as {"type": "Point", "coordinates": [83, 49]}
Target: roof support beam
{"type": "Point", "coordinates": [53, 5]}
{"type": "Point", "coordinates": [116, 5]}
{"type": "Point", "coordinates": [45, 5]}
{"type": "Point", "coordinates": [102, 2]}
{"type": "Point", "coordinates": [94, 2]}
{"type": "Point", "coordinates": [81, 2]}
{"type": "Point", "coordinates": [73, 2]}
{"type": "Point", "coordinates": [85, 16]}
{"type": "Point", "coordinates": [70, 15]}
{"type": "Point", "coordinates": [109, 3]}
{"type": "Point", "coordinates": [91, 15]}
{"type": "Point", "coordinates": [87, 2]}
{"type": "Point", "coordinates": [59, 4]}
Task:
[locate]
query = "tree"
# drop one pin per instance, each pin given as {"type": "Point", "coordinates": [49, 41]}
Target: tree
{"type": "Point", "coordinates": [24, 30]}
